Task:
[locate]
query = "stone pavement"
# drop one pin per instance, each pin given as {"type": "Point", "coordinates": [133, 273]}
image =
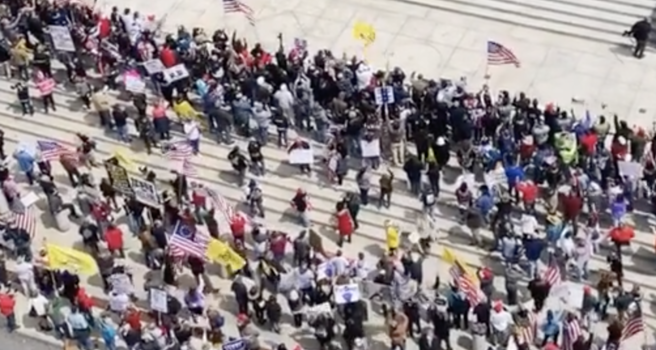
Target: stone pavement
{"type": "Point", "coordinates": [568, 49]}
{"type": "Point", "coordinates": [279, 186]}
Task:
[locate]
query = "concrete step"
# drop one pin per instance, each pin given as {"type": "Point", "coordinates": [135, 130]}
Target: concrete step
{"type": "Point", "coordinates": [539, 16]}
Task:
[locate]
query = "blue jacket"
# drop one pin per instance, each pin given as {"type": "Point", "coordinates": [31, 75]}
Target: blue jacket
{"type": "Point", "coordinates": [533, 248]}
{"type": "Point", "coordinates": [554, 232]}
{"type": "Point", "coordinates": [25, 161]}
{"type": "Point", "coordinates": [108, 333]}
{"type": "Point", "coordinates": [551, 326]}
{"type": "Point", "coordinates": [514, 174]}
{"type": "Point", "coordinates": [484, 203]}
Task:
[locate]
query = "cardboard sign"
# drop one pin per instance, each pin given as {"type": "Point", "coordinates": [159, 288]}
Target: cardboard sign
{"type": "Point", "coordinates": [370, 149]}
{"type": "Point", "coordinates": [301, 156]}
{"type": "Point", "coordinates": [134, 83]}
{"type": "Point", "coordinates": [158, 300]}
{"type": "Point", "coordinates": [175, 73]}
{"type": "Point", "coordinates": [61, 38]}
{"type": "Point", "coordinates": [145, 191]}
{"type": "Point", "coordinates": [154, 66]}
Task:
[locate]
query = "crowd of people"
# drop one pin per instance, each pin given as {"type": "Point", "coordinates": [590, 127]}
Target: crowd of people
{"type": "Point", "coordinates": [519, 160]}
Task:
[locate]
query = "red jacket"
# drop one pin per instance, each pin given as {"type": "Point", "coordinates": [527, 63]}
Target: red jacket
{"type": "Point", "coordinates": [84, 300]}
{"type": "Point", "coordinates": [344, 223]}
{"type": "Point", "coordinates": [7, 304]}
{"type": "Point", "coordinates": [167, 56]}
{"type": "Point", "coordinates": [238, 226]}
{"type": "Point", "coordinates": [529, 191]}
{"type": "Point", "coordinates": [114, 238]}
{"type": "Point", "coordinates": [572, 205]}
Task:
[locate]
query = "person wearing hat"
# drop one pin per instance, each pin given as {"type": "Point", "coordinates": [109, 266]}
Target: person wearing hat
{"type": "Point", "coordinates": [501, 322]}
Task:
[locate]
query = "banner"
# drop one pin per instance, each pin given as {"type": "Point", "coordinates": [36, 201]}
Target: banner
{"type": "Point", "coordinates": [223, 254]}
{"type": "Point", "coordinates": [119, 178]}
{"type": "Point", "coordinates": [154, 66]}
{"type": "Point", "coordinates": [301, 156]}
{"type": "Point", "coordinates": [158, 300]}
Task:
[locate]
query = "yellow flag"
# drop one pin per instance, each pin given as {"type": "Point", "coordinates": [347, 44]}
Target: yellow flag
{"type": "Point", "coordinates": [452, 259]}
{"type": "Point", "coordinates": [70, 259]}
{"type": "Point", "coordinates": [223, 254]}
{"type": "Point", "coordinates": [364, 32]}
{"type": "Point", "coordinates": [124, 161]}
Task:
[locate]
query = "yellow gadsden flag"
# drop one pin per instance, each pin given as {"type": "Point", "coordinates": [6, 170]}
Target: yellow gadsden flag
{"type": "Point", "coordinates": [124, 161]}
{"type": "Point", "coordinates": [223, 254]}
{"type": "Point", "coordinates": [70, 259]}
{"type": "Point", "coordinates": [450, 257]}
{"type": "Point", "coordinates": [364, 32]}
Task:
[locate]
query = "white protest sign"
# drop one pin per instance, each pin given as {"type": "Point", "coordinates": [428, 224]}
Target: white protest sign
{"type": "Point", "coordinates": [371, 148]}
{"type": "Point", "coordinates": [317, 310]}
{"type": "Point", "coordinates": [121, 284]}
{"type": "Point", "coordinates": [61, 38]}
{"type": "Point", "coordinates": [301, 156]}
{"type": "Point", "coordinates": [346, 293]}
{"type": "Point", "coordinates": [158, 300]}
{"type": "Point", "coordinates": [384, 95]}
{"type": "Point", "coordinates": [134, 84]}
{"type": "Point", "coordinates": [145, 191]}
{"type": "Point", "coordinates": [29, 199]}
{"type": "Point", "coordinates": [175, 73]}
{"type": "Point", "coordinates": [154, 66]}
{"type": "Point", "coordinates": [631, 169]}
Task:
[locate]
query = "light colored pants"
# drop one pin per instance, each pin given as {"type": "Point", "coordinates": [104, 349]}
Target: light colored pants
{"type": "Point", "coordinates": [398, 153]}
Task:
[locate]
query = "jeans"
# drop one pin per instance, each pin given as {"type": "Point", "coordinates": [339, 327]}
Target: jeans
{"type": "Point", "coordinates": [195, 145]}
{"type": "Point", "coordinates": [304, 218]}
{"type": "Point", "coordinates": [282, 138]}
{"type": "Point", "coordinates": [122, 132]}
{"type": "Point", "coordinates": [48, 103]}
{"type": "Point", "coordinates": [262, 135]}
{"type": "Point", "coordinates": [364, 196]}
{"type": "Point", "coordinates": [27, 108]}
{"type": "Point", "coordinates": [11, 322]}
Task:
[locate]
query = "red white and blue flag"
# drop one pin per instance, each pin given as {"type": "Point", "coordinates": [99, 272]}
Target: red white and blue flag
{"type": "Point", "coordinates": [187, 241]}
{"type": "Point", "coordinates": [53, 151]}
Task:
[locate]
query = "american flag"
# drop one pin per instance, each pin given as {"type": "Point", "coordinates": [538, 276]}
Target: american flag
{"type": "Point", "coordinates": [498, 54]}
{"type": "Point", "coordinates": [528, 332]}
{"type": "Point", "coordinates": [179, 150]}
{"type": "Point", "coordinates": [466, 283]}
{"type": "Point", "coordinates": [188, 169]}
{"type": "Point", "coordinates": [25, 221]}
{"type": "Point", "coordinates": [634, 325]}
{"type": "Point", "coordinates": [226, 209]}
{"type": "Point", "coordinates": [236, 6]}
{"type": "Point", "coordinates": [552, 274]}
{"type": "Point", "coordinates": [187, 241]}
{"type": "Point", "coordinates": [571, 333]}
{"type": "Point", "coordinates": [53, 151]}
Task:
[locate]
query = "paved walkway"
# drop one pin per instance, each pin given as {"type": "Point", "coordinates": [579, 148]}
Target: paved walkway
{"type": "Point", "coordinates": [279, 186]}
{"type": "Point", "coordinates": [568, 49]}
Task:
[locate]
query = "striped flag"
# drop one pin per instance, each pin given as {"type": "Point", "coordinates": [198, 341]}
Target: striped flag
{"type": "Point", "coordinates": [571, 333]}
{"type": "Point", "coordinates": [498, 54]}
{"type": "Point", "coordinates": [53, 151]}
{"type": "Point", "coordinates": [25, 221]}
{"type": "Point", "coordinates": [552, 274]}
{"type": "Point", "coordinates": [633, 326]}
{"type": "Point", "coordinates": [466, 283]}
{"type": "Point", "coordinates": [188, 169]}
{"type": "Point", "coordinates": [179, 150]}
{"type": "Point", "coordinates": [237, 6]}
{"type": "Point", "coordinates": [187, 241]}
{"type": "Point", "coordinates": [527, 333]}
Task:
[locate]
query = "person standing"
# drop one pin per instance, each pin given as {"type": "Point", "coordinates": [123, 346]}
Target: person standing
{"type": "Point", "coordinates": [192, 130]}
{"type": "Point", "coordinates": [46, 86]}
{"type": "Point", "coordinates": [7, 305]}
